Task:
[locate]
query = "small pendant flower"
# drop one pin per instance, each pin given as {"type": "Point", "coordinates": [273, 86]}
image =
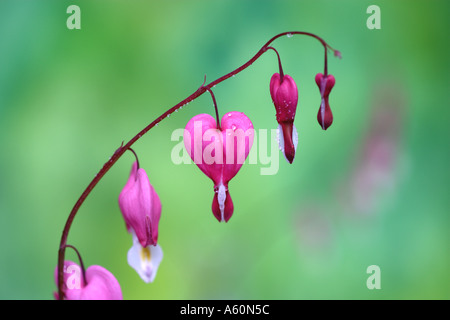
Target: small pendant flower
{"type": "Point", "coordinates": [284, 93]}
{"type": "Point", "coordinates": [325, 84]}
{"type": "Point", "coordinates": [141, 210]}
{"type": "Point", "coordinates": [99, 284]}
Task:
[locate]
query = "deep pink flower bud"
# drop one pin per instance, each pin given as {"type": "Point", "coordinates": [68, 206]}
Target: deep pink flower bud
{"type": "Point", "coordinates": [140, 207]}
{"type": "Point", "coordinates": [325, 84]}
{"type": "Point", "coordinates": [100, 284]}
{"type": "Point", "coordinates": [141, 210]}
{"type": "Point", "coordinates": [219, 153]}
{"type": "Point", "coordinates": [284, 95]}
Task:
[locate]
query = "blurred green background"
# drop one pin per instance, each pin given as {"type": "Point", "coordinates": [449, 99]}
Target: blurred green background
{"type": "Point", "coordinates": [372, 189]}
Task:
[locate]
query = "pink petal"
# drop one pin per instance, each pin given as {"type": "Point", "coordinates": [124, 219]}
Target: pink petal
{"type": "Point", "coordinates": [100, 284]}
{"type": "Point", "coordinates": [195, 144]}
{"type": "Point", "coordinates": [141, 207]}
{"type": "Point", "coordinates": [225, 213]}
{"type": "Point", "coordinates": [238, 135]}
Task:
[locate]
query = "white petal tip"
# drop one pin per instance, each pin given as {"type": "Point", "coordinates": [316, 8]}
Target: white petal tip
{"type": "Point", "coordinates": [145, 260]}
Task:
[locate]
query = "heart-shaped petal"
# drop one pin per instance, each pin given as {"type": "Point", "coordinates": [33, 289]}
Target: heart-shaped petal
{"type": "Point", "coordinates": [219, 153]}
{"type": "Point", "coordinates": [100, 284]}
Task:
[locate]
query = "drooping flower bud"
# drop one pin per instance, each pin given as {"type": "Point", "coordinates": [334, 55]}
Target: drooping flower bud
{"type": "Point", "coordinates": [140, 207]}
{"type": "Point", "coordinates": [100, 284]}
{"type": "Point", "coordinates": [141, 210]}
{"type": "Point", "coordinates": [284, 93]}
{"type": "Point", "coordinates": [219, 153]}
{"type": "Point", "coordinates": [325, 84]}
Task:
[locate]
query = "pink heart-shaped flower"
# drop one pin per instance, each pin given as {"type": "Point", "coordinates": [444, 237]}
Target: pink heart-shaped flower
{"type": "Point", "coordinates": [219, 153]}
{"type": "Point", "coordinates": [100, 284]}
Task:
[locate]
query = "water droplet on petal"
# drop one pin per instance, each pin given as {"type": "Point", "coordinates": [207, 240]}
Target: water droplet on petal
{"type": "Point", "coordinates": [233, 127]}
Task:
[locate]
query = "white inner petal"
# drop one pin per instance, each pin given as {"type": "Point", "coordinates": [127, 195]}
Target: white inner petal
{"type": "Point", "coordinates": [294, 137]}
{"type": "Point", "coordinates": [144, 260]}
{"type": "Point", "coordinates": [221, 197]}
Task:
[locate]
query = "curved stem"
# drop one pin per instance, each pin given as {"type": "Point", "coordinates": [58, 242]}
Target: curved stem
{"type": "Point", "coordinates": [279, 64]}
{"type": "Point", "coordinates": [121, 150]}
{"type": "Point", "coordinates": [135, 155]}
{"type": "Point", "coordinates": [83, 270]}
{"type": "Point", "coordinates": [215, 107]}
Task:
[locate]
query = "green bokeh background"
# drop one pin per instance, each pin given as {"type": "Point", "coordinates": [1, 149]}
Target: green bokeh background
{"type": "Point", "coordinates": [68, 98]}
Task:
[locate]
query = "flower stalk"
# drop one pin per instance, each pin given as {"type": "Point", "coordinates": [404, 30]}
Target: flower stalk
{"type": "Point", "coordinates": [121, 150]}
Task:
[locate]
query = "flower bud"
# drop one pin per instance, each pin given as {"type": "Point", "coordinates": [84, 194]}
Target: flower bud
{"type": "Point", "coordinates": [284, 95]}
{"type": "Point", "coordinates": [325, 84]}
{"type": "Point", "coordinates": [141, 210]}
{"type": "Point", "coordinates": [140, 207]}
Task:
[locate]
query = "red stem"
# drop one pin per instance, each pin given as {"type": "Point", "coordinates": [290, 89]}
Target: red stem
{"type": "Point", "coordinates": [279, 63]}
{"type": "Point", "coordinates": [215, 107]}
{"type": "Point", "coordinates": [119, 152]}
{"type": "Point", "coordinates": [80, 260]}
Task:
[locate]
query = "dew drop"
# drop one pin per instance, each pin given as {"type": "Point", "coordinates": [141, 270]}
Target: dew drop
{"type": "Point", "coordinates": [229, 114]}
{"type": "Point", "coordinates": [289, 35]}
{"type": "Point", "coordinates": [233, 127]}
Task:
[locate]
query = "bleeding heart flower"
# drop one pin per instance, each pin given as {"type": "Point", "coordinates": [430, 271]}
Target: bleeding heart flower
{"type": "Point", "coordinates": [219, 153]}
{"type": "Point", "coordinates": [140, 206]}
{"type": "Point", "coordinates": [284, 95]}
{"type": "Point", "coordinates": [325, 84]}
{"type": "Point", "coordinates": [100, 284]}
{"type": "Point", "coordinates": [141, 210]}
